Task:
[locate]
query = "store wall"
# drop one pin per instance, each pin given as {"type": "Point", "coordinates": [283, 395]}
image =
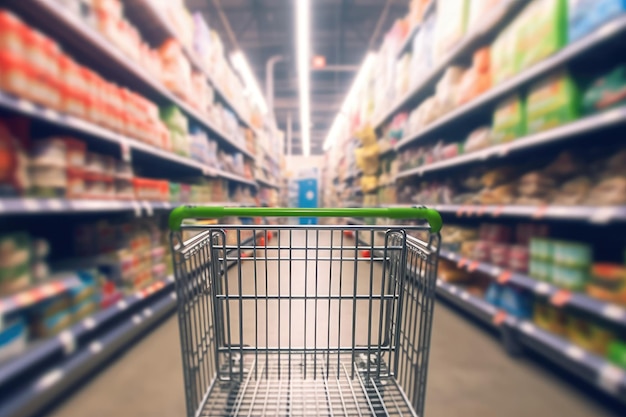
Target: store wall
{"type": "Point", "coordinates": [297, 164]}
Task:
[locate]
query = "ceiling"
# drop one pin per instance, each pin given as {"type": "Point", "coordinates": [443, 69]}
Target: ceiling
{"type": "Point", "coordinates": [342, 31]}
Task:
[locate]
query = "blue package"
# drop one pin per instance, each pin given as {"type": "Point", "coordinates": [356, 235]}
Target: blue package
{"type": "Point", "coordinates": [515, 302]}
{"type": "Point", "coordinates": [587, 15]}
{"type": "Point", "coordinates": [493, 294]}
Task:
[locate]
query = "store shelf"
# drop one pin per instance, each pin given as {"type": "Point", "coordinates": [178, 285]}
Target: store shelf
{"type": "Point", "coordinates": [265, 183]}
{"type": "Point", "coordinates": [62, 23]}
{"type": "Point", "coordinates": [96, 132]}
{"type": "Point", "coordinates": [583, 126]}
{"type": "Point", "coordinates": [492, 23]}
{"type": "Point", "coordinates": [75, 365]}
{"type": "Point", "coordinates": [587, 366]}
{"type": "Point", "coordinates": [576, 50]}
{"type": "Point", "coordinates": [69, 341]}
{"type": "Point", "coordinates": [35, 294]}
{"type": "Point", "coordinates": [152, 16]}
{"type": "Point", "coordinates": [406, 45]}
{"type": "Point", "coordinates": [606, 311]}
{"type": "Point", "coordinates": [595, 215]}
{"type": "Point", "coordinates": [476, 306]}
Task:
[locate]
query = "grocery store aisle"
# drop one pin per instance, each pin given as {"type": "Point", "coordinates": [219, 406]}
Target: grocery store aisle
{"type": "Point", "coordinates": [470, 375]}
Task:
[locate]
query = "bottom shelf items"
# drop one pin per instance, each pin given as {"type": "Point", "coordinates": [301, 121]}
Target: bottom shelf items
{"type": "Point", "coordinates": [586, 365]}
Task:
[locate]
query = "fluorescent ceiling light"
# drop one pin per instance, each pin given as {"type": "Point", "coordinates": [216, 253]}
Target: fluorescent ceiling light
{"type": "Point", "coordinates": [303, 51]}
{"type": "Point", "coordinates": [348, 103]}
{"type": "Point", "coordinates": [240, 63]}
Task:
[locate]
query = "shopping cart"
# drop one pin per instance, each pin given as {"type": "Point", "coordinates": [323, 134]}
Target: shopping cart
{"type": "Point", "coordinates": [305, 320]}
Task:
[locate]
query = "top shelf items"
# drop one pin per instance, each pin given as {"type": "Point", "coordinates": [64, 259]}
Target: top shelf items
{"type": "Point", "coordinates": [100, 51]}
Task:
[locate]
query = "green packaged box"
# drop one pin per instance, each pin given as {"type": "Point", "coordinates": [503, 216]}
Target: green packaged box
{"type": "Point", "coordinates": [616, 353]}
{"type": "Point", "coordinates": [552, 102]}
{"type": "Point", "coordinates": [509, 120]}
{"type": "Point", "coordinates": [540, 270]}
{"type": "Point", "coordinates": [572, 254]}
{"type": "Point", "coordinates": [570, 278]}
{"type": "Point", "coordinates": [174, 119]}
{"type": "Point", "coordinates": [606, 92]}
{"type": "Point", "coordinates": [541, 31]}
{"type": "Point", "coordinates": [503, 54]}
{"type": "Point", "coordinates": [541, 249]}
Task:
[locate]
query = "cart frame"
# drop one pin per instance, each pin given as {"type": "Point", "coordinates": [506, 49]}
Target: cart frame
{"type": "Point", "coordinates": [245, 343]}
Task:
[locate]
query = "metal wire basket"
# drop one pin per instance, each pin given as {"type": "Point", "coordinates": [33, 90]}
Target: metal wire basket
{"type": "Point", "coordinates": [305, 320]}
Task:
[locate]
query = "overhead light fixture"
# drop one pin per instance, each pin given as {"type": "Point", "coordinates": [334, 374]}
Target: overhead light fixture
{"type": "Point", "coordinates": [303, 51]}
{"type": "Point", "coordinates": [240, 63]}
{"type": "Point", "coordinates": [348, 103]}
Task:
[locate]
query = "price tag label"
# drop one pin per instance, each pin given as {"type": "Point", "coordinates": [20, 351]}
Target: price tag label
{"type": "Point", "coordinates": [499, 318]}
{"type": "Point", "coordinates": [527, 327]}
{"type": "Point", "coordinates": [473, 266]}
{"type": "Point", "coordinates": [575, 352]}
{"type": "Point", "coordinates": [460, 211]}
{"type": "Point", "coordinates": [89, 323]}
{"type": "Point", "coordinates": [470, 211]}
{"type": "Point", "coordinates": [125, 149]}
{"type": "Point", "coordinates": [50, 114]}
{"type": "Point", "coordinates": [540, 212]}
{"type": "Point", "coordinates": [136, 208]}
{"type": "Point", "coordinates": [504, 277]}
{"type": "Point", "coordinates": [560, 298]}
{"type": "Point", "coordinates": [30, 204]}
{"type": "Point", "coordinates": [613, 312]}
{"type": "Point", "coordinates": [137, 319]}
{"type": "Point", "coordinates": [148, 207]}
{"type": "Point", "coordinates": [505, 149]}
{"type": "Point", "coordinates": [95, 347]}
{"type": "Point", "coordinates": [542, 288]}
{"type": "Point", "coordinates": [66, 337]}
{"type": "Point", "coordinates": [480, 211]}
{"type": "Point", "coordinates": [610, 378]}
{"type": "Point", "coordinates": [55, 204]}
{"type": "Point", "coordinates": [461, 263]}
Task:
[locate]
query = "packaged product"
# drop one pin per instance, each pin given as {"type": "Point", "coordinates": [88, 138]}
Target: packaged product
{"type": "Point", "coordinates": [499, 254]}
{"type": "Point", "coordinates": [478, 9]}
{"type": "Point", "coordinates": [515, 302]}
{"type": "Point", "coordinates": [518, 258]}
{"type": "Point", "coordinates": [473, 84]}
{"type": "Point", "coordinates": [616, 353]}
{"type": "Point", "coordinates": [570, 278]}
{"type": "Point", "coordinates": [176, 68]}
{"type": "Point", "coordinates": [571, 254]}
{"type": "Point", "coordinates": [552, 102]}
{"type": "Point", "coordinates": [501, 194]}
{"type": "Point", "coordinates": [535, 184]}
{"type": "Point", "coordinates": [448, 272]}
{"type": "Point", "coordinates": [479, 139]}
{"type": "Point", "coordinates": [587, 15]}
{"type": "Point", "coordinates": [493, 294]}
{"type": "Point", "coordinates": [417, 8]}
{"type": "Point", "coordinates": [542, 31]}
{"type": "Point", "coordinates": [503, 54]}
{"type": "Point", "coordinates": [13, 338]}
{"type": "Point", "coordinates": [509, 120]}
{"type": "Point", "coordinates": [369, 183]}
{"type": "Point", "coordinates": [540, 270]}
{"type": "Point", "coordinates": [422, 55]}
{"type": "Point", "coordinates": [608, 283]}
{"type": "Point", "coordinates": [610, 191]}
{"type": "Point", "coordinates": [550, 318]}
{"type": "Point", "coordinates": [607, 91]}
{"type": "Point", "coordinates": [451, 25]}
{"type": "Point", "coordinates": [446, 89]}
{"type": "Point", "coordinates": [573, 192]}
{"type": "Point", "coordinates": [541, 249]}
{"type": "Point", "coordinates": [588, 335]}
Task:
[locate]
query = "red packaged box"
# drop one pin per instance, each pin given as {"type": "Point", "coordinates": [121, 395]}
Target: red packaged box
{"type": "Point", "coordinates": [499, 254]}
{"type": "Point", "coordinates": [518, 258]}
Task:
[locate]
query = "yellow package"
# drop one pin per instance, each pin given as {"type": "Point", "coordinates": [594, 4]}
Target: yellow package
{"type": "Point", "coordinates": [369, 183]}
{"type": "Point", "coordinates": [367, 159]}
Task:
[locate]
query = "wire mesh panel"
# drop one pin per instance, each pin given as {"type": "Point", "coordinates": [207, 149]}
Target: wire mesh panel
{"type": "Point", "coordinates": [315, 320]}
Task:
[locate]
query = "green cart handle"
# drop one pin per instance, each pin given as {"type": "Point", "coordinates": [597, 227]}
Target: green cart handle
{"type": "Point", "coordinates": [196, 212]}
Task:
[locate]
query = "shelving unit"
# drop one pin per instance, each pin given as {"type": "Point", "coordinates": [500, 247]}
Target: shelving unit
{"type": "Point", "coordinates": [567, 132]}
{"type": "Point", "coordinates": [443, 168]}
{"type": "Point", "coordinates": [47, 366]}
